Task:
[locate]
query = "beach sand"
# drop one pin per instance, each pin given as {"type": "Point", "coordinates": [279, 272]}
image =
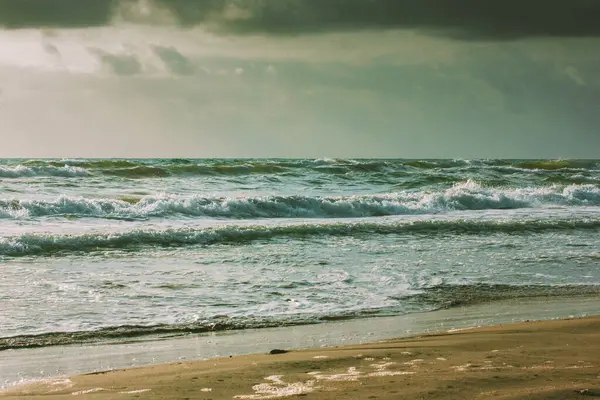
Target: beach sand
{"type": "Point", "coordinates": [534, 360]}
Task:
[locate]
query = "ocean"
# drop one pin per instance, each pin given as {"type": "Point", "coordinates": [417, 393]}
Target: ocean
{"type": "Point", "coordinates": [100, 250]}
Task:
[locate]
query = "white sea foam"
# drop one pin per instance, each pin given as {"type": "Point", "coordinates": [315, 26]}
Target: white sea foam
{"type": "Point", "coordinates": [46, 243]}
{"type": "Point", "coordinates": [278, 388]}
{"type": "Point", "coordinates": [22, 171]}
{"type": "Point", "coordinates": [87, 391]}
{"type": "Point", "coordinates": [466, 196]}
{"type": "Point", "coordinates": [136, 391]}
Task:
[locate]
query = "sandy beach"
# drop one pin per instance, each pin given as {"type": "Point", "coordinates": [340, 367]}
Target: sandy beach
{"type": "Point", "coordinates": [533, 360]}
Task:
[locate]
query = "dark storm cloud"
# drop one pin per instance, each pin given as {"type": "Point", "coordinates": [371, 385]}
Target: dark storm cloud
{"type": "Point", "coordinates": [467, 19]}
{"type": "Point", "coordinates": [55, 13]}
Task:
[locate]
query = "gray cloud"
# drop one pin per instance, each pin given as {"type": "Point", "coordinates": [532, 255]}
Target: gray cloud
{"type": "Point", "coordinates": [462, 19]}
{"type": "Point", "coordinates": [55, 13]}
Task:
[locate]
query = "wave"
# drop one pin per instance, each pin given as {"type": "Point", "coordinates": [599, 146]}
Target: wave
{"type": "Point", "coordinates": [143, 171]}
{"type": "Point", "coordinates": [463, 196]}
{"type": "Point", "coordinates": [447, 296]}
{"type": "Point", "coordinates": [126, 332]}
{"type": "Point", "coordinates": [425, 299]}
{"type": "Point", "coordinates": [552, 165]}
{"type": "Point", "coordinates": [85, 163]}
{"type": "Point", "coordinates": [36, 244]}
{"type": "Point", "coordinates": [165, 168]}
{"type": "Point", "coordinates": [139, 169]}
{"type": "Point", "coordinates": [23, 171]}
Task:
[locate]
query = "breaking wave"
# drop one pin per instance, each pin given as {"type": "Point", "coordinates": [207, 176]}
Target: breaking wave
{"type": "Point", "coordinates": [23, 171]}
{"type": "Point", "coordinates": [39, 244]}
{"type": "Point", "coordinates": [139, 169]}
{"type": "Point", "coordinates": [463, 196]}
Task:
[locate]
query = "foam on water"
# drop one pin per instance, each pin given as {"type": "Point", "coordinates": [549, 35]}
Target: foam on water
{"type": "Point", "coordinates": [424, 298]}
{"type": "Point", "coordinates": [21, 171]}
{"type": "Point", "coordinates": [140, 168]}
{"type": "Point", "coordinates": [468, 195]}
{"type": "Point", "coordinates": [50, 244]}
{"type": "Point", "coordinates": [117, 250]}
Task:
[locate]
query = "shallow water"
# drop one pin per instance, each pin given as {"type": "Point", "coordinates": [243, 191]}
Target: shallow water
{"type": "Point", "coordinates": [52, 362]}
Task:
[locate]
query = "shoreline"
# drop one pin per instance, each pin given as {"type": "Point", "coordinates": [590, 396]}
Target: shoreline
{"type": "Point", "coordinates": [97, 359]}
{"type": "Point", "coordinates": [533, 360]}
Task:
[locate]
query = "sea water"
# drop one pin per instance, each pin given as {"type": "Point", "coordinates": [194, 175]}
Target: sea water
{"type": "Point", "coordinates": [99, 250]}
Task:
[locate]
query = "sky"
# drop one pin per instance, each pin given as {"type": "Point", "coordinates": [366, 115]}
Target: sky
{"type": "Point", "coordinates": [300, 78]}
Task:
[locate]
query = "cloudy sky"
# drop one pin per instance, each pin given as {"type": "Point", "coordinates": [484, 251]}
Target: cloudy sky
{"type": "Point", "coordinates": [300, 78]}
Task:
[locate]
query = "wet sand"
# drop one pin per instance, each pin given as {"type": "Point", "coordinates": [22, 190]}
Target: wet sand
{"type": "Point", "coordinates": [536, 360]}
